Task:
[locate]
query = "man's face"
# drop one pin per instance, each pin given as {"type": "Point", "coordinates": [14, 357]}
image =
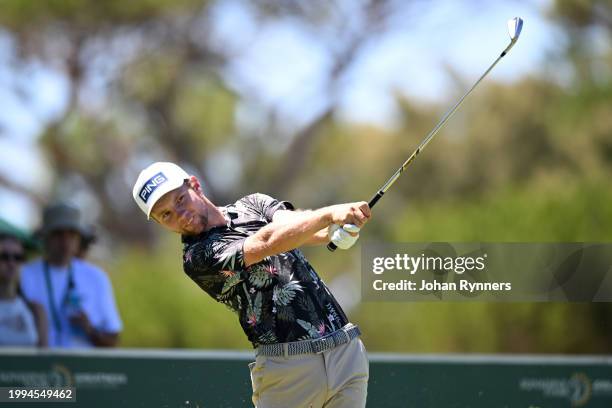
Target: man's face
{"type": "Point", "coordinates": [11, 258]}
{"type": "Point", "coordinates": [62, 245]}
{"type": "Point", "coordinates": [183, 210]}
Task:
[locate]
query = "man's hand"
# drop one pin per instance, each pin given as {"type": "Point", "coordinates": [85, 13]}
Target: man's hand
{"type": "Point", "coordinates": [351, 213]}
{"type": "Point", "coordinates": [343, 237]}
{"type": "Point", "coordinates": [98, 338]}
{"type": "Point", "coordinates": [81, 320]}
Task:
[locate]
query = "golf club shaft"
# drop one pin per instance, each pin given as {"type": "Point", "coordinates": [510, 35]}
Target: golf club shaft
{"type": "Point", "coordinates": [331, 246]}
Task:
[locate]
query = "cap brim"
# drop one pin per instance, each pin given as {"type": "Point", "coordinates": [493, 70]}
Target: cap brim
{"type": "Point", "coordinates": [62, 226]}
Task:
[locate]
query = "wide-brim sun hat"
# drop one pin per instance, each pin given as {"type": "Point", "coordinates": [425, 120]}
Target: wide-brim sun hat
{"type": "Point", "coordinates": [61, 217]}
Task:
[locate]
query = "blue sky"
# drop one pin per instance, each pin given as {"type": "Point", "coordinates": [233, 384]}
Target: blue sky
{"type": "Point", "coordinates": [412, 60]}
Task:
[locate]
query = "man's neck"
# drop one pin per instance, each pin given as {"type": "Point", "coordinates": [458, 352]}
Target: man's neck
{"type": "Point", "coordinates": [58, 263]}
{"type": "Point", "coordinates": [216, 218]}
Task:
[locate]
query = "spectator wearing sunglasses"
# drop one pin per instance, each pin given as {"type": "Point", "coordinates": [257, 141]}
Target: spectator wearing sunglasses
{"type": "Point", "coordinates": [22, 323]}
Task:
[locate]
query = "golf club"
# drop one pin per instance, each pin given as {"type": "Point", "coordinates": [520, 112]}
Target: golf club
{"type": "Point", "coordinates": [515, 26]}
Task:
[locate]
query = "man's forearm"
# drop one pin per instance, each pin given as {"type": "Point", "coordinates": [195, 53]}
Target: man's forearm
{"type": "Point", "coordinates": [103, 339]}
{"type": "Point", "coordinates": [320, 237]}
{"type": "Point", "coordinates": [287, 234]}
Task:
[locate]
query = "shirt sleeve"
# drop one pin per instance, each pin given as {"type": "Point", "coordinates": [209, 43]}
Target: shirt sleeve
{"type": "Point", "coordinates": [24, 283]}
{"type": "Point", "coordinates": [111, 322]}
{"type": "Point", "coordinates": [264, 205]}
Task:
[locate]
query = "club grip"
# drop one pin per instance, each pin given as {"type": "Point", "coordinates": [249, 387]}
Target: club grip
{"type": "Point", "coordinates": [375, 199]}
{"type": "Point", "coordinates": [331, 246]}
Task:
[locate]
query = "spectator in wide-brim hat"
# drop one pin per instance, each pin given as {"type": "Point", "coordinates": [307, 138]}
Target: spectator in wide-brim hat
{"type": "Point", "coordinates": [78, 296]}
{"type": "Point", "coordinates": [22, 322]}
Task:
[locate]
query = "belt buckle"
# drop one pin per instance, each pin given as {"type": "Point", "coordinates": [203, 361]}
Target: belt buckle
{"type": "Point", "coordinates": [322, 344]}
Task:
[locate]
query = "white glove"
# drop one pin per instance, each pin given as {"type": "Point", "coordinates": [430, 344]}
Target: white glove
{"type": "Point", "coordinates": [341, 237]}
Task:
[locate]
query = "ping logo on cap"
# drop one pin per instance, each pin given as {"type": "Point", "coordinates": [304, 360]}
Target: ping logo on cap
{"type": "Point", "coordinates": [151, 185]}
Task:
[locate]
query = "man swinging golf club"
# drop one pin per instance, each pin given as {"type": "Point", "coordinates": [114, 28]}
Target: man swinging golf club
{"type": "Point", "coordinates": [246, 256]}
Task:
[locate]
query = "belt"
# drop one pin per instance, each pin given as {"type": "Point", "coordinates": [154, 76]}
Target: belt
{"type": "Point", "coordinates": [314, 346]}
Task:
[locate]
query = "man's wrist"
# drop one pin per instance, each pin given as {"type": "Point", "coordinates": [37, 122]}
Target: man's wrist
{"type": "Point", "coordinates": [326, 214]}
{"type": "Point", "coordinates": [91, 332]}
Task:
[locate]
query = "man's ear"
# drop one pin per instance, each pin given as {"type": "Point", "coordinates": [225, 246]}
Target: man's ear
{"type": "Point", "coordinates": [194, 183]}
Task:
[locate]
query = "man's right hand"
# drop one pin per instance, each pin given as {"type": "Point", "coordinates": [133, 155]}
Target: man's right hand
{"type": "Point", "coordinates": [351, 213]}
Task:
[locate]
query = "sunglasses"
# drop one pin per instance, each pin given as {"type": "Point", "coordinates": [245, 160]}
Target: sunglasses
{"type": "Point", "coordinates": [12, 256]}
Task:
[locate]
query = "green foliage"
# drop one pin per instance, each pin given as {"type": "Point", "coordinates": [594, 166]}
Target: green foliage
{"type": "Point", "coordinates": [87, 14]}
{"type": "Point", "coordinates": [553, 211]}
{"type": "Point", "coordinates": [580, 12]}
{"type": "Point", "coordinates": [548, 211]}
{"type": "Point", "coordinates": [205, 110]}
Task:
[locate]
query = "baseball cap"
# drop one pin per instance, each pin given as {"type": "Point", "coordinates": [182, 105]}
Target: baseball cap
{"type": "Point", "coordinates": [154, 181]}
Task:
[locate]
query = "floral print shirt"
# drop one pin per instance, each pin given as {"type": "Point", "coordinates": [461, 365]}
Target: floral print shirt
{"type": "Point", "coordinates": [277, 300]}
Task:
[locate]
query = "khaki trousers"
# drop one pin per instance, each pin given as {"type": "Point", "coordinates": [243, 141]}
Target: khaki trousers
{"type": "Point", "coordinates": [337, 378]}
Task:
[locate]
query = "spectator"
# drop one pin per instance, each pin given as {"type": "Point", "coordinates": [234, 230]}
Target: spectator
{"type": "Point", "coordinates": [77, 295]}
{"type": "Point", "coordinates": [88, 238]}
{"type": "Point", "coordinates": [22, 323]}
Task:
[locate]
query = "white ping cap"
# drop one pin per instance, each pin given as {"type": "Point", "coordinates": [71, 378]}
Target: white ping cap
{"type": "Point", "coordinates": [155, 181]}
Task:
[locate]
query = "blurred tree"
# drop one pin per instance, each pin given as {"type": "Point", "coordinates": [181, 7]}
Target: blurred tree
{"type": "Point", "coordinates": [151, 80]}
{"type": "Point", "coordinates": [147, 80]}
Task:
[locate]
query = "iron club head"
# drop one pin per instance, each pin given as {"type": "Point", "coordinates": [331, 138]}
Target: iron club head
{"type": "Point", "coordinates": [515, 25]}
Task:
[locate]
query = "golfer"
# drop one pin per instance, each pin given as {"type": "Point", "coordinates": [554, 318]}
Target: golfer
{"type": "Point", "coordinates": [245, 255]}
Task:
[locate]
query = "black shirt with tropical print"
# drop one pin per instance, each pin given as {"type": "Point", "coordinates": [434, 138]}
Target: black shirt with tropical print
{"type": "Point", "coordinates": [279, 299]}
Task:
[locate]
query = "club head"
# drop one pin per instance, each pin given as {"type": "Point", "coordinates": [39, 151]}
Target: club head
{"type": "Point", "coordinates": [515, 26]}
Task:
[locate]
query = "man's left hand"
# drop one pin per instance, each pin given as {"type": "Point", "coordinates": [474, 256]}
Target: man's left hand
{"type": "Point", "coordinates": [343, 237]}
